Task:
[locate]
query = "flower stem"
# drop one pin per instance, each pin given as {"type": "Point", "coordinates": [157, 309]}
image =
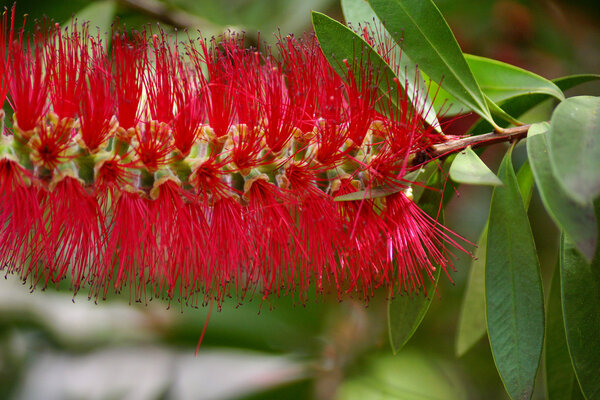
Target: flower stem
{"type": "Point", "coordinates": [486, 139]}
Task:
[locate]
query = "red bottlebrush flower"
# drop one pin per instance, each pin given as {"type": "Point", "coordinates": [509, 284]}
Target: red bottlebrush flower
{"type": "Point", "coordinates": [159, 82]}
{"type": "Point", "coordinates": [415, 242]}
{"type": "Point", "coordinates": [28, 85]}
{"type": "Point", "coordinates": [75, 227]}
{"type": "Point", "coordinates": [97, 105]}
{"type": "Point", "coordinates": [128, 248]}
{"type": "Point", "coordinates": [331, 135]}
{"type": "Point", "coordinates": [230, 257]}
{"type": "Point", "coordinates": [277, 109]}
{"type": "Point", "coordinates": [320, 230]}
{"type": "Point", "coordinates": [6, 38]}
{"type": "Point", "coordinates": [67, 59]}
{"type": "Point", "coordinates": [190, 109]}
{"type": "Point", "coordinates": [21, 231]}
{"type": "Point", "coordinates": [154, 145]}
{"type": "Point", "coordinates": [271, 229]}
{"type": "Point", "coordinates": [228, 250]}
{"type": "Point", "coordinates": [247, 136]}
{"type": "Point", "coordinates": [218, 94]}
{"type": "Point", "coordinates": [301, 63]}
{"type": "Point", "coordinates": [361, 88]}
{"type": "Point", "coordinates": [129, 59]}
{"type": "Point", "coordinates": [365, 266]}
{"type": "Point", "coordinates": [175, 231]}
{"type": "Point", "coordinates": [111, 175]}
{"type": "Point", "coordinates": [398, 137]}
{"type": "Point", "coordinates": [51, 141]}
{"type": "Point", "coordinates": [222, 177]}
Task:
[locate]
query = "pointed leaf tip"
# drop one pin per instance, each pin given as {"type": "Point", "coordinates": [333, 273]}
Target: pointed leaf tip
{"type": "Point", "coordinates": [429, 42]}
{"type": "Point", "coordinates": [468, 168]}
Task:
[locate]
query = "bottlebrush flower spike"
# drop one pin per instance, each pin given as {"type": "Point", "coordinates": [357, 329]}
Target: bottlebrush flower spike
{"type": "Point", "coordinates": [190, 109]}
{"type": "Point", "coordinates": [74, 227]}
{"type": "Point", "coordinates": [97, 107]}
{"type": "Point", "coordinates": [6, 35]}
{"type": "Point", "coordinates": [66, 59]}
{"type": "Point", "coordinates": [28, 82]}
{"type": "Point", "coordinates": [320, 229]}
{"type": "Point", "coordinates": [208, 176]}
{"type": "Point", "coordinates": [22, 232]}
{"type": "Point", "coordinates": [129, 60]}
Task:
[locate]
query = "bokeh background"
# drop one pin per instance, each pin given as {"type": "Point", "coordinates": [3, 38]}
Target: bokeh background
{"type": "Point", "coordinates": [56, 346]}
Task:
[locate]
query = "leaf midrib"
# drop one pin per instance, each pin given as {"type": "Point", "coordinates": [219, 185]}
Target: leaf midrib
{"type": "Point", "coordinates": [480, 103]}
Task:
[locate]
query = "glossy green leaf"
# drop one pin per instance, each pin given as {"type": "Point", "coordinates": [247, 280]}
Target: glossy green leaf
{"type": "Point", "coordinates": [576, 220]}
{"type": "Point", "coordinates": [561, 383]}
{"type": "Point", "coordinates": [499, 112]}
{"type": "Point", "coordinates": [445, 102]}
{"type": "Point", "coordinates": [471, 321]}
{"type": "Point", "coordinates": [429, 42]}
{"type": "Point", "coordinates": [450, 106]}
{"type": "Point", "coordinates": [468, 168]}
{"type": "Point", "coordinates": [513, 288]}
{"type": "Point", "coordinates": [519, 105]}
{"type": "Point", "coordinates": [406, 312]}
{"type": "Point", "coordinates": [574, 147]}
{"type": "Point", "coordinates": [580, 286]}
{"type": "Point", "coordinates": [358, 13]}
{"type": "Point", "coordinates": [501, 81]}
{"type": "Point", "coordinates": [339, 43]}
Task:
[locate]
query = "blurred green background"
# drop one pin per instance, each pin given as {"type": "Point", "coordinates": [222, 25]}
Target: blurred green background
{"type": "Point", "coordinates": [55, 348]}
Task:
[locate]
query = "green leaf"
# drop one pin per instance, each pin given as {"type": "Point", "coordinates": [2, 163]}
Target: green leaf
{"type": "Point", "coordinates": [519, 105]}
{"type": "Point", "coordinates": [513, 288]}
{"type": "Point", "coordinates": [420, 180]}
{"type": "Point", "coordinates": [499, 112]}
{"type": "Point", "coordinates": [561, 383]}
{"type": "Point", "coordinates": [410, 375]}
{"type": "Point", "coordinates": [418, 176]}
{"type": "Point", "coordinates": [339, 43]}
{"type": "Point", "coordinates": [471, 321]}
{"type": "Point", "coordinates": [525, 180]}
{"type": "Point", "coordinates": [429, 42]}
{"type": "Point", "coordinates": [574, 147]}
{"type": "Point", "coordinates": [358, 12]}
{"type": "Point", "coordinates": [570, 81]}
{"type": "Point", "coordinates": [372, 193]}
{"type": "Point", "coordinates": [444, 101]}
{"type": "Point", "coordinates": [501, 81]}
{"type": "Point", "coordinates": [581, 304]}
{"type": "Point", "coordinates": [406, 312]}
{"type": "Point", "coordinates": [468, 168]}
{"type": "Point", "coordinates": [100, 16]}
{"type": "Point", "coordinates": [576, 220]}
